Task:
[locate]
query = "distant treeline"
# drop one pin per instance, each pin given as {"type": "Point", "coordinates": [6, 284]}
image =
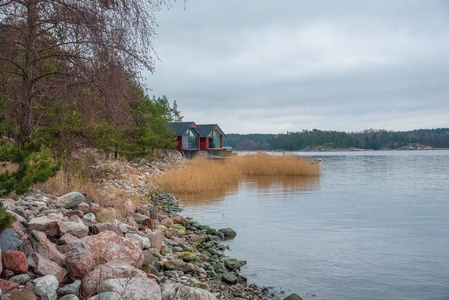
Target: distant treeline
{"type": "Point", "coordinates": [319, 139]}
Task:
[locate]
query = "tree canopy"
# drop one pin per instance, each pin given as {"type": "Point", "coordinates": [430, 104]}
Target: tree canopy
{"type": "Point", "coordinates": [74, 52]}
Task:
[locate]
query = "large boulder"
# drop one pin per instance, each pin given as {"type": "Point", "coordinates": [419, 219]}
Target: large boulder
{"type": "Point", "coordinates": [51, 227]}
{"type": "Point", "coordinates": [137, 288]}
{"type": "Point", "coordinates": [79, 262]}
{"type": "Point", "coordinates": [46, 287]}
{"type": "Point", "coordinates": [9, 240]}
{"type": "Point", "coordinates": [15, 261]}
{"type": "Point", "coordinates": [109, 246]}
{"type": "Point", "coordinates": [38, 243]}
{"type": "Point", "coordinates": [71, 199]}
{"type": "Point", "coordinates": [110, 270]}
{"type": "Point", "coordinates": [43, 266]}
{"type": "Point", "coordinates": [178, 291]}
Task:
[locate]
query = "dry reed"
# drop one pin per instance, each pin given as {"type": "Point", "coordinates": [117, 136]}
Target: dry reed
{"type": "Point", "coordinates": [279, 165]}
{"type": "Point", "coordinates": [201, 174]}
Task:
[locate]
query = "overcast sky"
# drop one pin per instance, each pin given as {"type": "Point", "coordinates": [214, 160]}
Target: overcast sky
{"type": "Point", "coordinates": [276, 66]}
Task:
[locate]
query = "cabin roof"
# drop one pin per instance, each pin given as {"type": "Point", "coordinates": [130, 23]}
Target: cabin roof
{"type": "Point", "coordinates": [181, 127]}
{"type": "Point", "coordinates": [207, 129]}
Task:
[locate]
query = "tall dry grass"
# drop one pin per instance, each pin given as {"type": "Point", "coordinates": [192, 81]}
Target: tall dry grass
{"type": "Point", "coordinates": [202, 175]}
{"type": "Point", "coordinates": [199, 175]}
{"type": "Point", "coordinates": [279, 165]}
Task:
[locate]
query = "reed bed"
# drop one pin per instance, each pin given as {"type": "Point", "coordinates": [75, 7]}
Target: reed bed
{"type": "Point", "coordinates": [199, 175]}
{"type": "Point", "coordinates": [278, 165]}
{"type": "Point", "coordinates": [202, 175]}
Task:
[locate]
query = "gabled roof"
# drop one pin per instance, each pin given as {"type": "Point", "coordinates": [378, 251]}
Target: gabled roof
{"type": "Point", "coordinates": [181, 127]}
{"type": "Point", "coordinates": [207, 129]}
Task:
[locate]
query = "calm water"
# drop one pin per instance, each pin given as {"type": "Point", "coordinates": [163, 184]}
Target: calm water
{"type": "Point", "coordinates": [374, 226]}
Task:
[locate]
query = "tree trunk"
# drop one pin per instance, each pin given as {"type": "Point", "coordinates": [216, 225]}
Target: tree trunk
{"type": "Point", "coordinates": [28, 76]}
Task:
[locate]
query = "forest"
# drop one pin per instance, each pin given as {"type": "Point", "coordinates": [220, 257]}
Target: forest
{"type": "Point", "coordinates": [70, 74]}
{"type": "Point", "coordinates": [327, 140]}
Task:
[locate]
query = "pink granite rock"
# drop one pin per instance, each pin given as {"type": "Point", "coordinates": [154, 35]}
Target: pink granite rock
{"type": "Point", "coordinates": [109, 246]}
{"type": "Point", "coordinates": [79, 262]}
{"type": "Point", "coordinates": [6, 285]}
{"type": "Point", "coordinates": [43, 266]}
{"type": "Point", "coordinates": [38, 243]}
{"type": "Point", "coordinates": [167, 222]}
{"type": "Point", "coordinates": [78, 230]}
{"type": "Point", "coordinates": [19, 294]}
{"type": "Point", "coordinates": [51, 227]}
{"type": "Point", "coordinates": [114, 269]}
{"type": "Point", "coordinates": [156, 239]}
{"type": "Point", "coordinates": [15, 261]}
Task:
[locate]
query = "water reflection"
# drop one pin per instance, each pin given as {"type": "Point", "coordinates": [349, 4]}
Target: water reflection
{"type": "Point", "coordinates": [264, 184]}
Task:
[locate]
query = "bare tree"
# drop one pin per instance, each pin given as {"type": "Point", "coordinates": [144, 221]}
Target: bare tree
{"type": "Point", "coordinates": [75, 51]}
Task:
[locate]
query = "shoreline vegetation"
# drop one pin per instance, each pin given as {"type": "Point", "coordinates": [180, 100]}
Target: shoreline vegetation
{"type": "Point", "coordinates": [129, 245]}
{"type": "Point", "coordinates": [201, 175]}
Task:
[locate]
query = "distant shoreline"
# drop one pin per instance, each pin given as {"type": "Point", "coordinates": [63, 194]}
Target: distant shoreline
{"type": "Point", "coordinates": [344, 150]}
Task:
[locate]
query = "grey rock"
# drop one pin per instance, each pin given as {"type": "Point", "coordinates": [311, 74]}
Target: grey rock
{"type": "Point", "coordinates": [46, 287]}
{"type": "Point", "coordinates": [76, 229]}
{"type": "Point", "coordinates": [69, 297]}
{"type": "Point", "coordinates": [232, 264]}
{"type": "Point", "coordinates": [228, 233]}
{"type": "Point", "coordinates": [229, 278]}
{"type": "Point", "coordinates": [71, 199]}
{"type": "Point", "coordinates": [88, 219]}
{"type": "Point", "coordinates": [20, 279]}
{"type": "Point", "coordinates": [9, 240]}
{"type": "Point", "coordinates": [106, 296]}
{"type": "Point", "coordinates": [73, 288]}
{"type": "Point", "coordinates": [293, 296]}
{"type": "Point", "coordinates": [137, 288]}
{"type": "Point", "coordinates": [177, 291]}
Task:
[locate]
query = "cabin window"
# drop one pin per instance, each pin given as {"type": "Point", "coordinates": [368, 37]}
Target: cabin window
{"type": "Point", "coordinates": [214, 142]}
{"type": "Point", "coordinates": [189, 139]}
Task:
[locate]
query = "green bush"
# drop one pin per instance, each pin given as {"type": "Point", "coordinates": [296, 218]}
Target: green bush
{"type": "Point", "coordinates": [5, 219]}
{"type": "Point", "coordinates": [35, 164]}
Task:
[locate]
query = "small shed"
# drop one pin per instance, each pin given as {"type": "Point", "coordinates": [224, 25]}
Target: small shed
{"type": "Point", "coordinates": [211, 137]}
{"type": "Point", "coordinates": [188, 137]}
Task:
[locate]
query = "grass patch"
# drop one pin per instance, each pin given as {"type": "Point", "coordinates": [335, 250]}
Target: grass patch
{"type": "Point", "coordinates": [203, 175]}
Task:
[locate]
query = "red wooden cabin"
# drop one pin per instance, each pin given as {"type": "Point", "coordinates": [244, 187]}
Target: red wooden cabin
{"type": "Point", "coordinates": [211, 137]}
{"type": "Point", "coordinates": [188, 137]}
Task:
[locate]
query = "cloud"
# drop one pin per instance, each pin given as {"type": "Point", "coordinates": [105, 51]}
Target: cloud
{"type": "Point", "coordinates": [293, 65]}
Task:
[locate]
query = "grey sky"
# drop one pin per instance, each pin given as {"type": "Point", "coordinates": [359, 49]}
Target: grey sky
{"type": "Point", "coordinates": [276, 66]}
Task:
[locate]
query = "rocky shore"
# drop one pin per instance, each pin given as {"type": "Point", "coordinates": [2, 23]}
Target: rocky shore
{"type": "Point", "coordinates": [69, 247]}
